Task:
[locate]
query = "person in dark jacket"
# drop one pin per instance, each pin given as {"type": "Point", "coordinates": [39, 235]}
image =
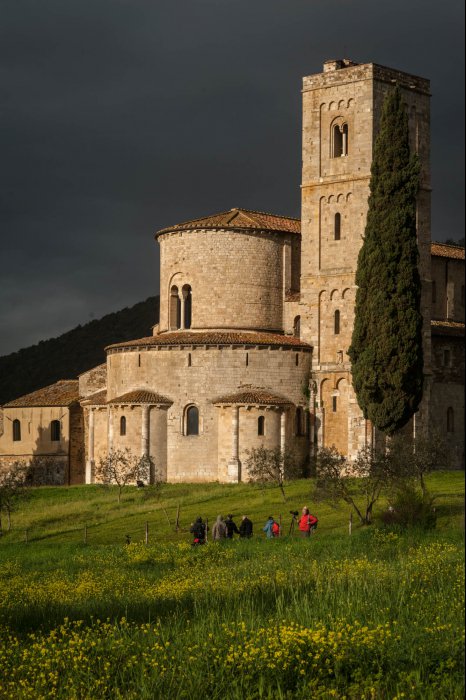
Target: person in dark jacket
{"type": "Point", "coordinates": [231, 527]}
{"type": "Point", "coordinates": [198, 531]}
{"type": "Point", "coordinates": [245, 529]}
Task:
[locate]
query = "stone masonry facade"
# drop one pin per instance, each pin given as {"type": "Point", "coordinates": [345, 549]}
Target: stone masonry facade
{"type": "Point", "coordinates": [256, 316]}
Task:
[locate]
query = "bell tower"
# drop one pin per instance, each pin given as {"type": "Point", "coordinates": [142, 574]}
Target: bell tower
{"type": "Point", "coordinates": [341, 112]}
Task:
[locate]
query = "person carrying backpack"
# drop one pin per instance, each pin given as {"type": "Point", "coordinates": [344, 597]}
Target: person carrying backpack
{"type": "Point", "coordinates": [271, 528]}
{"type": "Point", "coordinates": [307, 523]}
{"type": "Point", "coordinates": [198, 531]}
{"type": "Point", "coordinates": [231, 527]}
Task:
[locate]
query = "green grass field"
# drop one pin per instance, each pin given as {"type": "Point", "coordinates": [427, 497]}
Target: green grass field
{"type": "Point", "coordinates": [378, 614]}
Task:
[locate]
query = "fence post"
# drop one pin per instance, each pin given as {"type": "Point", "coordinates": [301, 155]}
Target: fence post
{"type": "Point", "coordinates": [177, 524]}
{"type": "Point", "coordinates": [26, 536]}
{"type": "Point", "coordinates": [206, 529]}
{"type": "Point", "coordinates": [280, 525]}
{"type": "Point", "coordinates": [147, 533]}
{"type": "Point", "coordinates": [350, 526]}
{"type": "Point", "coordinates": [85, 534]}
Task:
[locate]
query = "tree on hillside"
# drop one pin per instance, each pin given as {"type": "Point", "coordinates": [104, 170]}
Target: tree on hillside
{"type": "Point", "coordinates": [358, 483]}
{"type": "Point", "coordinates": [122, 467]}
{"type": "Point", "coordinates": [272, 466]}
{"type": "Point", "coordinates": [416, 458]}
{"type": "Point", "coordinates": [13, 488]}
{"type": "Point", "coordinates": [386, 347]}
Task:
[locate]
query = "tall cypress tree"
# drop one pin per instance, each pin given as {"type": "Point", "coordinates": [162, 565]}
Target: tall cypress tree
{"type": "Point", "coordinates": [386, 347]}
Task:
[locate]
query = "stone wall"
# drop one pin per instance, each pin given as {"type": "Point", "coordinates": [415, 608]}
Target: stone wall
{"type": "Point", "coordinates": [93, 380]}
{"type": "Point", "coordinates": [237, 277]}
{"type": "Point", "coordinates": [211, 372]}
{"type": "Point", "coordinates": [335, 194]}
{"type": "Point", "coordinates": [448, 293]}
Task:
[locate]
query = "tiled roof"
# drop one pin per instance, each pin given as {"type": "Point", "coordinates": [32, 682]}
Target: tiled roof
{"type": "Point", "coordinates": [252, 397]}
{"type": "Point", "coordinates": [99, 398]}
{"type": "Point", "coordinates": [447, 328]}
{"type": "Point", "coordinates": [62, 393]}
{"type": "Point", "coordinates": [444, 250]}
{"type": "Point", "coordinates": [213, 338]}
{"type": "Point", "coordinates": [141, 396]}
{"type": "Point", "coordinates": [239, 219]}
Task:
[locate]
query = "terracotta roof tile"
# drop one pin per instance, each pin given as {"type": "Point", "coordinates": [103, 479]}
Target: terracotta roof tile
{"type": "Point", "coordinates": [253, 397]}
{"type": "Point", "coordinates": [444, 250]}
{"type": "Point", "coordinates": [141, 396]}
{"type": "Point", "coordinates": [447, 328]}
{"type": "Point", "coordinates": [213, 338]}
{"type": "Point", "coordinates": [239, 219]}
{"type": "Point", "coordinates": [62, 393]}
{"type": "Point", "coordinates": [99, 398]}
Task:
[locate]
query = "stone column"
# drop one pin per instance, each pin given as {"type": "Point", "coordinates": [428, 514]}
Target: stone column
{"type": "Point", "coordinates": [182, 303]}
{"type": "Point", "coordinates": [90, 451]}
{"type": "Point", "coordinates": [312, 415]}
{"type": "Point", "coordinates": [283, 439]}
{"type": "Point", "coordinates": [234, 465]}
{"type": "Point", "coordinates": [145, 430]}
{"type": "Point", "coordinates": [109, 429]}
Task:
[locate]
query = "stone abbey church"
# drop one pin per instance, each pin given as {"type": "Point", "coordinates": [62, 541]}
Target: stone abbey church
{"type": "Point", "coordinates": [256, 316]}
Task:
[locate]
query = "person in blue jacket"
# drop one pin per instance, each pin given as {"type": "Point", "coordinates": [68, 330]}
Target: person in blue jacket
{"type": "Point", "coordinates": [271, 528]}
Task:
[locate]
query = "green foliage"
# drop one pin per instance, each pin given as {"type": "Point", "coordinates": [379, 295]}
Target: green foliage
{"type": "Point", "coordinates": [273, 466]}
{"type": "Point", "coordinates": [358, 483]}
{"type": "Point", "coordinates": [386, 347]}
{"type": "Point", "coordinates": [73, 352]}
{"type": "Point", "coordinates": [410, 507]}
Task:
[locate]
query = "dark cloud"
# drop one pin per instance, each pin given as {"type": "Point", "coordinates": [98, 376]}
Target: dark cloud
{"type": "Point", "coordinates": [122, 116]}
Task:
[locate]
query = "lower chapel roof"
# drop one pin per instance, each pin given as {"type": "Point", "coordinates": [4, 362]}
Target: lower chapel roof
{"type": "Point", "coordinates": [63, 393]}
{"type": "Point", "coordinates": [250, 396]}
{"type": "Point", "coordinates": [213, 338]}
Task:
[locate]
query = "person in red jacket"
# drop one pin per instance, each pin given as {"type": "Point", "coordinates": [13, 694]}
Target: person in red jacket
{"type": "Point", "coordinates": [307, 522]}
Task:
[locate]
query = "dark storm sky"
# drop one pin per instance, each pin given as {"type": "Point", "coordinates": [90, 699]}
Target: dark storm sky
{"type": "Point", "coordinates": [119, 117]}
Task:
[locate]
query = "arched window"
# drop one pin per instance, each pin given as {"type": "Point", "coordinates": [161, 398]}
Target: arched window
{"type": "Point", "coordinates": [339, 140]}
{"type": "Point", "coordinates": [337, 227]}
{"type": "Point", "coordinates": [187, 296]}
{"type": "Point", "coordinates": [175, 309]}
{"type": "Point", "coordinates": [123, 425]}
{"type": "Point", "coordinates": [450, 420]}
{"type": "Point", "coordinates": [192, 421]}
{"type": "Point", "coordinates": [16, 430]}
{"type": "Point", "coordinates": [336, 322]}
{"type": "Point", "coordinates": [55, 431]}
{"type": "Point", "coordinates": [434, 292]}
{"type": "Point", "coordinates": [261, 425]}
{"type": "Point", "coordinates": [297, 326]}
{"type": "Point", "coordinates": [299, 421]}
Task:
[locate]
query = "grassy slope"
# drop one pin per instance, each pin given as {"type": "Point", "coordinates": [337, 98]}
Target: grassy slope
{"type": "Point", "coordinates": [58, 515]}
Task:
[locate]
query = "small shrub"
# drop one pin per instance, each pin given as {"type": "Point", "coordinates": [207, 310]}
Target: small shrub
{"type": "Point", "coordinates": [409, 507]}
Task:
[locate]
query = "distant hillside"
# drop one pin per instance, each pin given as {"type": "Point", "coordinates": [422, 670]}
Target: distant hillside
{"type": "Point", "coordinates": [73, 352]}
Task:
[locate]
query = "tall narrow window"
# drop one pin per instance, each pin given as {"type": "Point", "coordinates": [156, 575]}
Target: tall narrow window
{"type": "Point", "coordinates": [334, 404]}
{"type": "Point", "coordinates": [450, 420]}
{"type": "Point", "coordinates": [189, 359]}
{"type": "Point", "coordinates": [187, 296]}
{"type": "Point", "coordinates": [446, 357]}
{"type": "Point", "coordinates": [337, 226]}
{"type": "Point", "coordinates": [336, 323]}
{"type": "Point", "coordinates": [192, 421]}
{"type": "Point", "coordinates": [299, 421]}
{"type": "Point", "coordinates": [175, 309]}
{"type": "Point", "coordinates": [122, 425]}
{"type": "Point", "coordinates": [55, 431]}
{"type": "Point", "coordinates": [16, 430]}
{"type": "Point", "coordinates": [261, 425]}
{"type": "Point", "coordinates": [462, 295]}
{"type": "Point", "coordinates": [297, 326]}
{"type": "Point", "coordinates": [247, 359]}
{"type": "Point", "coordinates": [434, 292]}
{"type": "Point", "coordinates": [296, 360]}
{"type": "Point", "coordinates": [337, 142]}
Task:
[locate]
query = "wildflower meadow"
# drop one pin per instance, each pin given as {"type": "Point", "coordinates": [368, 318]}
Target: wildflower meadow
{"type": "Point", "coordinates": [378, 614]}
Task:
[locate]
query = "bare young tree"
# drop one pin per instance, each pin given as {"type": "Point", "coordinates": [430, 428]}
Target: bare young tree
{"type": "Point", "coordinates": [272, 466]}
{"type": "Point", "coordinates": [13, 487]}
{"type": "Point", "coordinates": [123, 467]}
{"type": "Point", "coordinates": [358, 483]}
{"type": "Point", "coordinates": [416, 458]}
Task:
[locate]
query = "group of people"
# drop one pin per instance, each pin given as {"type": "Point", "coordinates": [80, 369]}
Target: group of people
{"type": "Point", "coordinates": [226, 528]}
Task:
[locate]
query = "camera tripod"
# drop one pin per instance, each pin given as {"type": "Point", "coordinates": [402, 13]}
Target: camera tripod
{"type": "Point", "coordinates": [294, 520]}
